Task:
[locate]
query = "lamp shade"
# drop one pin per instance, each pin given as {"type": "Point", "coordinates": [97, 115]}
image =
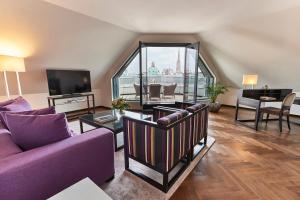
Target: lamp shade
{"type": "Point", "coordinates": [250, 79]}
{"type": "Point", "coordinates": [12, 63]}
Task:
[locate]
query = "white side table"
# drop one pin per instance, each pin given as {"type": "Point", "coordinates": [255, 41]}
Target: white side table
{"type": "Point", "coordinates": [84, 189]}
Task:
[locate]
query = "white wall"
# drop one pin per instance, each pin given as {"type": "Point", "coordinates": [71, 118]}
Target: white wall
{"type": "Point", "coordinates": [49, 36]}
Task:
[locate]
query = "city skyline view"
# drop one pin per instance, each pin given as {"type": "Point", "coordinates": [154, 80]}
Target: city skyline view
{"type": "Point", "coordinates": [165, 59]}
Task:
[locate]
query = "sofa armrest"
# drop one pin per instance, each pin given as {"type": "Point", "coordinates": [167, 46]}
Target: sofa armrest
{"type": "Point", "coordinates": [42, 172]}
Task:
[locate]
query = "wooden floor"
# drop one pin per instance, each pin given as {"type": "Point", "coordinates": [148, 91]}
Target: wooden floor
{"type": "Point", "coordinates": [244, 164]}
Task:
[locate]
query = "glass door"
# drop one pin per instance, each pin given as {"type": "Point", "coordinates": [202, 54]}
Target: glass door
{"type": "Point", "coordinates": [191, 72]}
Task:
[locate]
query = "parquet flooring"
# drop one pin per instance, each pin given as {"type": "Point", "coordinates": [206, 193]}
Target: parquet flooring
{"type": "Point", "coordinates": [245, 164]}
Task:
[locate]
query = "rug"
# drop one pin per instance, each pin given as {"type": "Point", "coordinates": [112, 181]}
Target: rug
{"type": "Point", "coordinates": [126, 186]}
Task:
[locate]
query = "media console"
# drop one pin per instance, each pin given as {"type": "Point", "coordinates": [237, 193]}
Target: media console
{"type": "Point", "coordinates": [74, 98]}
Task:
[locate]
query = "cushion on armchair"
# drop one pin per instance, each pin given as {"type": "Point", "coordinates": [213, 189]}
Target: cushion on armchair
{"type": "Point", "coordinates": [195, 107]}
{"type": "Point", "coordinates": [169, 119]}
{"type": "Point", "coordinates": [19, 104]}
{"type": "Point", "coordinates": [43, 111]}
{"type": "Point", "coordinates": [31, 131]}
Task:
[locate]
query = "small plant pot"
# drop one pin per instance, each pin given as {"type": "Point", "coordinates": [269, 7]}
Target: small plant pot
{"type": "Point", "coordinates": [214, 107]}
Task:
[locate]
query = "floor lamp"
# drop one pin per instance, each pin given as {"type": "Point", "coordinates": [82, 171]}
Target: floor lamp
{"type": "Point", "coordinates": [13, 64]}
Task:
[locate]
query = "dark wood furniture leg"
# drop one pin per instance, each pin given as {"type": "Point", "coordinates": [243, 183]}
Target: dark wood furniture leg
{"type": "Point", "coordinates": [94, 109]}
{"type": "Point", "coordinates": [257, 117]}
{"type": "Point", "coordinates": [126, 156]}
{"type": "Point", "coordinates": [81, 127]}
{"type": "Point", "coordinates": [88, 103]}
{"type": "Point", "coordinates": [49, 102]}
{"type": "Point", "coordinates": [165, 182]}
{"type": "Point", "coordinates": [288, 121]}
{"type": "Point", "coordinates": [237, 110]}
{"type": "Point", "coordinates": [280, 123]}
{"type": "Point", "coordinates": [116, 143]}
{"type": "Point", "coordinates": [268, 115]}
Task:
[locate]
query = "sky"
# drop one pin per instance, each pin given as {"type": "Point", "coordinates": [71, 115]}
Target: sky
{"type": "Point", "coordinates": [163, 57]}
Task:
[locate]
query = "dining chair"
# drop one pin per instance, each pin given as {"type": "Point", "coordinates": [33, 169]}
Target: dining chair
{"type": "Point", "coordinates": [154, 91]}
{"type": "Point", "coordinates": [169, 90]}
{"type": "Point", "coordinates": [283, 111]}
{"type": "Point", "coordinates": [137, 89]}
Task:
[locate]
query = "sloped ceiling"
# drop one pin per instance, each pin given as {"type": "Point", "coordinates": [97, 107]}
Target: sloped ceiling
{"type": "Point", "coordinates": [267, 45]}
{"type": "Point", "coordinates": [238, 36]}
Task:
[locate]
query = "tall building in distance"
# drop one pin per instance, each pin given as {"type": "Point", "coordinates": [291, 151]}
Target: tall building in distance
{"type": "Point", "coordinates": [178, 63]}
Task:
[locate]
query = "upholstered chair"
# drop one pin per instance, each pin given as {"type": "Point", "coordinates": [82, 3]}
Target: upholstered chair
{"type": "Point", "coordinates": [159, 145]}
{"type": "Point", "coordinates": [283, 111]}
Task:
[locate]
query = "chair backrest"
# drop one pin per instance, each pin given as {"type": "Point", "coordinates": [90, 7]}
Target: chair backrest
{"type": "Point", "coordinates": [137, 89]}
{"type": "Point", "coordinates": [159, 145]}
{"type": "Point", "coordinates": [200, 122]}
{"type": "Point", "coordinates": [154, 90]}
{"type": "Point", "coordinates": [145, 89]}
{"type": "Point", "coordinates": [288, 100]}
{"type": "Point", "coordinates": [169, 89]}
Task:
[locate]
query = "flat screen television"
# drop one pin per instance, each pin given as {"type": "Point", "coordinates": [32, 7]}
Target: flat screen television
{"type": "Point", "coordinates": [68, 82]}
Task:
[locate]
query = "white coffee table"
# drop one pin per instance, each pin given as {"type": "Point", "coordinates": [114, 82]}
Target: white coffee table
{"type": "Point", "coordinates": [84, 189]}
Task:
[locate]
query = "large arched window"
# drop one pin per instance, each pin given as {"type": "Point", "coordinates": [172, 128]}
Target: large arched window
{"type": "Point", "coordinates": [163, 73]}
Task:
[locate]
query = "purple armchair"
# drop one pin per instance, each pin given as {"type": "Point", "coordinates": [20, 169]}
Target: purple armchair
{"type": "Point", "coordinates": [42, 172]}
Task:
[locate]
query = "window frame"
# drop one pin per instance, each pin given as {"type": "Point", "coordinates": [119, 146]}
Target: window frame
{"type": "Point", "coordinates": [115, 79]}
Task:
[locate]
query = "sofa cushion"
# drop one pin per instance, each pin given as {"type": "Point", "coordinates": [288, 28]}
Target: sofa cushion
{"type": "Point", "coordinates": [31, 131]}
{"type": "Point", "coordinates": [166, 120]}
{"type": "Point", "coordinates": [19, 104]}
{"type": "Point", "coordinates": [44, 111]}
{"type": "Point", "coordinates": [5, 103]}
{"type": "Point", "coordinates": [195, 107]}
{"type": "Point", "coordinates": [7, 146]}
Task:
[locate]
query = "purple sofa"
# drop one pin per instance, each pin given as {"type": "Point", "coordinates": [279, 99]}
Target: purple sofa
{"type": "Point", "coordinates": [44, 171]}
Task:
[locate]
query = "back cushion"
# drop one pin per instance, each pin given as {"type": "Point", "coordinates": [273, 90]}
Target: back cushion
{"type": "Point", "coordinates": [195, 107]}
{"type": "Point", "coordinates": [5, 103]}
{"type": "Point", "coordinates": [31, 131]}
{"type": "Point", "coordinates": [44, 111]}
{"type": "Point", "coordinates": [8, 147]}
{"type": "Point", "coordinates": [19, 104]}
{"type": "Point", "coordinates": [169, 119]}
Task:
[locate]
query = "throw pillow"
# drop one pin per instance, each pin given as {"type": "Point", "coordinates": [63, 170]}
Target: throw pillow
{"type": "Point", "coordinates": [32, 131]}
{"type": "Point", "coordinates": [19, 104]}
{"type": "Point", "coordinates": [43, 111]}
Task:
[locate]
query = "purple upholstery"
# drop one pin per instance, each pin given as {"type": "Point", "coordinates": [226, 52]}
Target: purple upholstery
{"type": "Point", "coordinates": [43, 111]}
{"type": "Point", "coordinates": [169, 119]}
{"type": "Point", "coordinates": [195, 108]}
{"type": "Point", "coordinates": [7, 146]}
{"type": "Point", "coordinates": [42, 172]}
{"type": "Point", "coordinates": [31, 131]}
{"type": "Point", "coordinates": [4, 103]}
{"type": "Point", "coordinates": [19, 104]}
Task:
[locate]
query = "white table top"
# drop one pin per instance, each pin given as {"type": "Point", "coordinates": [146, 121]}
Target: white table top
{"type": "Point", "coordinates": [84, 189]}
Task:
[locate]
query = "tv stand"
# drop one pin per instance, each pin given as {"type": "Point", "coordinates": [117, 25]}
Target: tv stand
{"type": "Point", "coordinates": [72, 95]}
{"type": "Point", "coordinates": [89, 96]}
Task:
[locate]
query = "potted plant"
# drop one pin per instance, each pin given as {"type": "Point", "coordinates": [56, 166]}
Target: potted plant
{"type": "Point", "coordinates": [213, 92]}
{"type": "Point", "coordinates": [120, 104]}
